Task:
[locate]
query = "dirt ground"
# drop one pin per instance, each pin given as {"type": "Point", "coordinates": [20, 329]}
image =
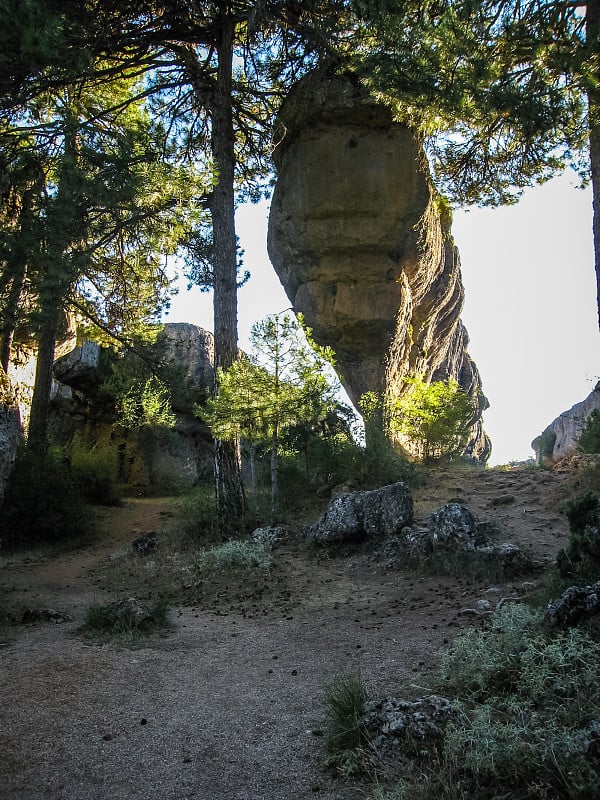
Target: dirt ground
{"type": "Point", "coordinates": [229, 706]}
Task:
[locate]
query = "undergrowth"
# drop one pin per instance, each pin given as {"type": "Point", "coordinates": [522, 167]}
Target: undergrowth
{"type": "Point", "coordinates": [106, 622]}
{"type": "Point", "coordinates": [527, 716]}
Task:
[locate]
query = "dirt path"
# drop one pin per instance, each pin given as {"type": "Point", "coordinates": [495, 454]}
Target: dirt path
{"type": "Point", "coordinates": [229, 706]}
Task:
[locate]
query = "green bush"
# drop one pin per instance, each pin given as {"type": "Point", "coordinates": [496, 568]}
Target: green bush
{"type": "Point", "coordinates": [433, 418]}
{"type": "Point", "coordinates": [579, 561]}
{"type": "Point", "coordinates": [195, 515]}
{"type": "Point", "coordinates": [43, 503]}
{"type": "Point", "coordinates": [96, 469]}
{"type": "Point", "coordinates": [237, 555]}
{"type": "Point", "coordinates": [528, 699]}
{"type": "Point", "coordinates": [589, 441]}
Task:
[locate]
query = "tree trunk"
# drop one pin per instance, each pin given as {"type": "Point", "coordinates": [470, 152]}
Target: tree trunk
{"type": "Point", "coordinates": [228, 474]}
{"type": "Point", "coordinates": [37, 439]}
{"type": "Point", "coordinates": [274, 476]}
{"type": "Point", "coordinates": [593, 42]}
{"type": "Point", "coordinates": [11, 312]}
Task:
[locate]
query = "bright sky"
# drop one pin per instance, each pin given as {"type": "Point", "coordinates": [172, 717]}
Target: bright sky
{"type": "Point", "coordinates": [530, 307]}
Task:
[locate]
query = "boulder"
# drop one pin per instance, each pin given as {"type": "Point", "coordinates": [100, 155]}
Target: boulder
{"type": "Point", "coordinates": [576, 604]}
{"type": "Point", "coordinates": [560, 438]}
{"type": "Point", "coordinates": [362, 245]}
{"type": "Point", "coordinates": [358, 515]}
{"type": "Point", "coordinates": [454, 524]}
{"type": "Point", "coordinates": [389, 722]}
{"type": "Point", "coordinates": [10, 429]}
{"type": "Point", "coordinates": [79, 368]}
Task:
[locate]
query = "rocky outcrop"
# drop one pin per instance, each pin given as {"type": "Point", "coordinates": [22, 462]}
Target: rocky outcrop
{"type": "Point", "coordinates": [389, 723]}
{"type": "Point", "coordinates": [575, 605]}
{"type": "Point", "coordinates": [358, 515]}
{"type": "Point", "coordinates": [149, 461]}
{"type": "Point", "coordinates": [362, 244]}
{"type": "Point", "coordinates": [560, 438]}
{"type": "Point", "coordinates": [10, 429]}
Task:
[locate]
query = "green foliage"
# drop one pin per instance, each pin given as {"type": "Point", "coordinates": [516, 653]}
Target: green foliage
{"type": "Point", "coordinates": [196, 515]}
{"type": "Point", "coordinates": [480, 662]}
{"type": "Point", "coordinates": [579, 561]}
{"type": "Point", "coordinates": [103, 624]}
{"type": "Point", "coordinates": [344, 737]}
{"type": "Point", "coordinates": [95, 467]}
{"type": "Point", "coordinates": [528, 700]}
{"type": "Point", "coordinates": [497, 90]}
{"type": "Point", "coordinates": [147, 404]}
{"type": "Point", "coordinates": [42, 502]}
{"type": "Point", "coordinates": [434, 418]}
{"type": "Point", "coordinates": [282, 385]}
{"type": "Point", "coordinates": [589, 441]}
{"type": "Point", "coordinates": [237, 555]}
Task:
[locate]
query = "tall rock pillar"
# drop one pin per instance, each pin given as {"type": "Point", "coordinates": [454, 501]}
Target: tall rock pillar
{"type": "Point", "coordinates": [361, 243]}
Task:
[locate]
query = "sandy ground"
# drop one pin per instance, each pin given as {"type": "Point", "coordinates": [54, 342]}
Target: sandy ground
{"type": "Point", "coordinates": [229, 706]}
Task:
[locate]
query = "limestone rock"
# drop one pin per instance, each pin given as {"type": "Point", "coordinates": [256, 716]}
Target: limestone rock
{"type": "Point", "coordinates": [357, 515]}
{"type": "Point", "coordinates": [453, 523]}
{"type": "Point", "coordinates": [79, 368]}
{"type": "Point", "coordinates": [575, 605]}
{"type": "Point", "coordinates": [362, 243]}
{"type": "Point", "coordinates": [389, 722]}
{"type": "Point", "coordinates": [560, 438]}
{"type": "Point", "coordinates": [10, 429]}
{"type": "Point", "coordinates": [192, 348]}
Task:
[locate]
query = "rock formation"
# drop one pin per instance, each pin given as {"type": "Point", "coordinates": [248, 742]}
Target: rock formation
{"type": "Point", "coordinates": [174, 458]}
{"type": "Point", "coordinates": [361, 243]}
{"type": "Point", "coordinates": [560, 438]}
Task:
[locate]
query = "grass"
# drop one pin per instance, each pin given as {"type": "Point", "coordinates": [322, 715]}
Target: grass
{"type": "Point", "coordinates": [345, 739]}
{"type": "Point", "coordinates": [237, 555]}
{"type": "Point", "coordinates": [108, 622]}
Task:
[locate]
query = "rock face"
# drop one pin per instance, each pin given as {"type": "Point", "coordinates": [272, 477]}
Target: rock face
{"type": "Point", "coordinates": [362, 245]}
{"type": "Point", "coordinates": [165, 461]}
{"type": "Point", "coordinates": [560, 438]}
{"type": "Point", "coordinates": [10, 429]}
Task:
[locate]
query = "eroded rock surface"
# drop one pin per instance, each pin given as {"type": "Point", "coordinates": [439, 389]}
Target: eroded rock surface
{"type": "Point", "coordinates": [362, 244]}
{"type": "Point", "coordinates": [560, 438]}
{"type": "Point", "coordinates": [357, 515]}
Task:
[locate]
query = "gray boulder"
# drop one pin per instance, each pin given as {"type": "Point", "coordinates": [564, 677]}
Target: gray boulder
{"type": "Point", "coordinates": [389, 722]}
{"type": "Point", "coordinates": [358, 515]}
{"type": "Point", "coordinates": [79, 368]}
{"type": "Point", "coordinates": [454, 524]}
{"type": "Point", "coordinates": [576, 604]}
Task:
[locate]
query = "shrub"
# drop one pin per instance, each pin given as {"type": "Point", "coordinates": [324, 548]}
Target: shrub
{"type": "Point", "coordinates": [344, 737]}
{"type": "Point", "coordinates": [580, 560]}
{"type": "Point", "coordinates": [242, 555]}
{"type": "Point", "coordinates": [96, 469]}
{"type": "Point", "coordinates": [42, 502]}
{"type": "Point", "coordinates": [196, 515]}
{"type": "Point", "coordinates": [434, 418]}
{"type": "Point", "coordinates": [118, 621]}
{"type": "Point", "coordinates": [589, 441]}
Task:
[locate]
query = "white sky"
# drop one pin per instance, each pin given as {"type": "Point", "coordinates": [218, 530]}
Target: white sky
{"type": "Point", "coordinates": [530, 307]}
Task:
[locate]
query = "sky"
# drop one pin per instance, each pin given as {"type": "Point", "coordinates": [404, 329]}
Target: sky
{"type": "Point", "coordinates": [530, 307]}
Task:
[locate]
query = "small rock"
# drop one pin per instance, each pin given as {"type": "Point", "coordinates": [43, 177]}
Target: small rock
{"type": "Point", "coordinates": [145, 544]}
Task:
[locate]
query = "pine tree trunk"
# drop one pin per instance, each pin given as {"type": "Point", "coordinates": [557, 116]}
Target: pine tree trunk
{"type": "Point", "coordinates": [593, 42]}
{"type": "Point", "coordinates": [274, 476]}
{"type": "Point", "coordinates": [228, 475]}
{"type": "Point", "coordinates": [37, 440]}
{"type": "Point", "coordinates": [11, 312]}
